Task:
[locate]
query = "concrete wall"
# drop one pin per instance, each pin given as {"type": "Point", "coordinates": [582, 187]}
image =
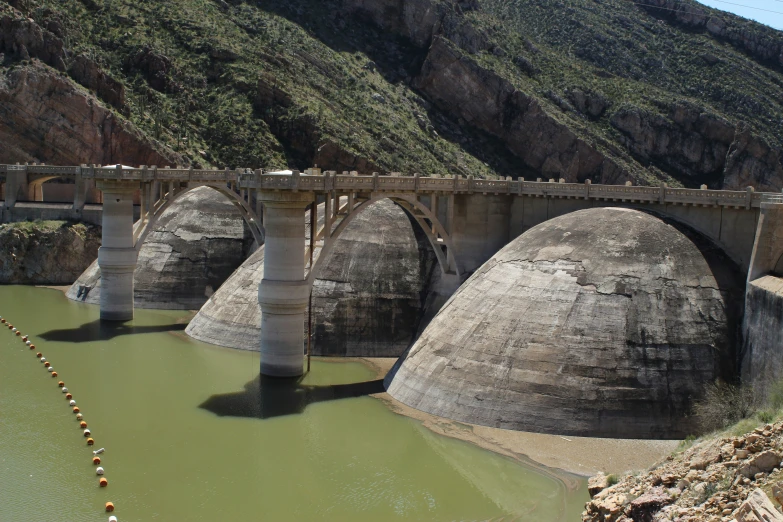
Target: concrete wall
{"type": "Point", "coordinates": [733, 230]}
{"type": "Point", "coordinates": [762, 332]}
{"type": "Point", "coordinates": [24, 211]}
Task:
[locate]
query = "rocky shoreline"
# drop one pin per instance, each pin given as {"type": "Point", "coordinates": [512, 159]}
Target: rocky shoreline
{"type": "Point", "coordinates": [719, 479]}
{"type": "Point", "coordinates": [46, 252]}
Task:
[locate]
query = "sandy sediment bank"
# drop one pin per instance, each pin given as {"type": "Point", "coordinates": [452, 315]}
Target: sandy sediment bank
{"type": "Point", "coordinates": [579, 455]}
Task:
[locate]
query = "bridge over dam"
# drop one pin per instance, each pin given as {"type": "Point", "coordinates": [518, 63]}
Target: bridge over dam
{"type": "Point", "coordinates": [466, 221]}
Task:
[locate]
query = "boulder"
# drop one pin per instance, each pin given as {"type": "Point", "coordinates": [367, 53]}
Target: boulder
{"type": "Point", "coordinates": [758, 508]}
{"type": "Point", "coordinates": [764, 462]}
{"type": "Point", "coordinates": [597, 483]}
{"type": "Point", "coordinates": [643, 508]}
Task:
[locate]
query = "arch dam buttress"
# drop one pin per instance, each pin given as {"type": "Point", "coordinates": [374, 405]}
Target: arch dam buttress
{"type": "Point", "coordinates": [466, 221]}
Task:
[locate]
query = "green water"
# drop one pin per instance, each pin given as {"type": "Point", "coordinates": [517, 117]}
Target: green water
{"type": "Point", "coordinates": [192, 435]}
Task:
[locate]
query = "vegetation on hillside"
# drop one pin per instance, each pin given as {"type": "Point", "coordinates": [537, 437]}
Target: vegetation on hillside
{"type": "Point", "coordinates": [292, 83]}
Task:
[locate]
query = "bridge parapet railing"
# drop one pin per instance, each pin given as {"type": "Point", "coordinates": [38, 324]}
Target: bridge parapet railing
{"type": "Point", "coordinates": [212, 176]}
{"type": "Point", "coordinates": [52, 170]}
{"type": "Point", "coordinates": [354, 183]}
{"type": "Point", "coordinates": [708, 197]}
{"type": "Point", "coordinates": [490, 185]}
{"type": "Point", "coordinates": [311, 183]}
{"type": "Point", "coordinates": [113, 173]}
{"type": "Point", "coordinates": [545, 188]}
{"type": "Point", "coordinates": [436, 184]}
{"type": "Point", "coordinates": [625, 192]}
{"type": "Point", "coordinates": [395, 183]}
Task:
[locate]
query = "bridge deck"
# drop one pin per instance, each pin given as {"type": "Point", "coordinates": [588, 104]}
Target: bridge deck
{"type": "Point", "coordinates": [314, 181]}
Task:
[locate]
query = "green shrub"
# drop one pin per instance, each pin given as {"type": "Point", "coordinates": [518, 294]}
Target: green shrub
{"type": "Point", "coordinates": [725, 404]}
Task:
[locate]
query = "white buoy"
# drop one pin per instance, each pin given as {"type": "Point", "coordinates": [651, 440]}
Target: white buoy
{"type": "Point", "coordinates": [28, 343]}
{"type": "Point", "coordinates": [98, 451]}
{"type": "Point", "coordinates": [13, 329]}
{"type": "Point", "coordinates": [79, 416]}
{"type": "Point", "coordinates": [112, 519]}
{"type": "Point", "coordinates": [99, 470]}
{"type": "Point", "coordinates": [87, 432]}
{"type": "Point", "coordinates": [42, 359]}
{"type": "Point", "coordinates": [64, 389]}
{"type": "Point", "coordinates": [51, 368]}
{"type": "Point", "coordinates": [72, 403]}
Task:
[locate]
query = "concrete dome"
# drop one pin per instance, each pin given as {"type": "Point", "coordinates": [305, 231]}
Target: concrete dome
{"type": "Point", "coordinates": [602, 322]}
{"type": "Point", "coordinates": [368, 299]}
{"type": "Point", "coordinates": [194, 247]}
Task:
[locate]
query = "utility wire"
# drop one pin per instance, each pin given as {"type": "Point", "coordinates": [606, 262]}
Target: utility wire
{"type": "Point", "coordinates": [749, 6]}
{"type": "Point", "coordinates": [723, 1]}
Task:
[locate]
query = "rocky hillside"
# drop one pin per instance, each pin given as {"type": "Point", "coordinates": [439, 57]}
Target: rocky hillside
{"type": "Point", "coordinates": [46, 252]}
{"type": "Point", "coordinates": [608, 90]}
{"type": "Point", "coordinates": [721, 478]}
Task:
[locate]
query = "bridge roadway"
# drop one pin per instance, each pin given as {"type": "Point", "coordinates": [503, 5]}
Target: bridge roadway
{"type": "Point", "coordinates": [466, 220]}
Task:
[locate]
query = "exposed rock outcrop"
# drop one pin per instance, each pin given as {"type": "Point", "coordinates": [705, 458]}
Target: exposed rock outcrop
{"type": "Point", "coordinates": [702, 146]}
{"type": "Point", "coordinates": [486, 100]}
{"type": "Point", "coordinates": [195, 246]}
{"type": "Point", "coordinates": [87, 73]}
{"type": "Point", "coordinates": [717, 480]}
{"type": "Point", "coordinates": [601, 322]}
{"type": "Point", "coordinates": [45, 117]}
{"type": "Point", "coordinates": [46, 252]}
{"type": "Point", "coordinates": [691, 144]}
{"type": "Point", "coordinates": [367, 300]}
{"type": "Point", "coordinates": [763, 43]}
{"type": "Point", "coordinates": [24, 39]}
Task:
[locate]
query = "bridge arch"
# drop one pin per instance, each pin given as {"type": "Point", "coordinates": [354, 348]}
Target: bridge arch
{"type": "Point", "coordinates": [149, 219]}
{"type": "Point", "coordinates": [429, 223]}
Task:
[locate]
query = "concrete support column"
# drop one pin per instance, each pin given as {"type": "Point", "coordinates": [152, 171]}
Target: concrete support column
{"type": "Point", "coordinates": [79, 192]}
{"type": "Point", "coordinates": [283, 292]}
{"type": "Point", "coordinates": [117, 255]}
{"type": "Point", "coordinates": [768, 246]}
{"type": "Point", "coordinates": [15, 178]}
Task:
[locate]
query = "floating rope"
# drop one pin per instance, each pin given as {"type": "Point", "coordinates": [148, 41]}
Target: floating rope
{"type": "Point", "coordinates": [103, 481]}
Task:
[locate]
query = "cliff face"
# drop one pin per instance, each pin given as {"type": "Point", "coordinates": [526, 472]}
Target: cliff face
{"type": "Point", "coordinates": [564, 129]}
{"type": "Point", "coordinates": [45, 117]}
{"type": "Point", "coordinates": [46, 252]}
{"type": "Point", "coordinates": [669, 90]}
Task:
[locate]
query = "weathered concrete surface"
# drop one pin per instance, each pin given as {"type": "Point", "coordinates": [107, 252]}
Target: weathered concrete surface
{"type": "Point", "coordinates": [46, 253]}
{"type": "Point", "coordinates": [367, 301]}
{"type": "Point", "coordinates": [195, 246]}
{"type": "Point", "coordinates": [602, 322]}
{"type": "Point", "coordinates": [762, 333]}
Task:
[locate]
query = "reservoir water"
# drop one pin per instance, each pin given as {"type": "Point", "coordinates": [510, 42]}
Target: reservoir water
{"type": "Point", "coordinates": [192, 434]}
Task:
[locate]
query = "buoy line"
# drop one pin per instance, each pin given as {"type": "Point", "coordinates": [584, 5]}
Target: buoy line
{"type": "Point", "coordinates": [96, 460]}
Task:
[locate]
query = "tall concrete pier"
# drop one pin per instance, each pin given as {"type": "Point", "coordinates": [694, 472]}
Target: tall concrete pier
{"type": "Point", "coordinates": [117, 255]}
{"type": "Point", "coordinates": [283, 292]}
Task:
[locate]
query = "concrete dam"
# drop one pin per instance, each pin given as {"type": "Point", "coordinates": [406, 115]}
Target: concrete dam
{"type": "Point", "coordinates": [563, 308]}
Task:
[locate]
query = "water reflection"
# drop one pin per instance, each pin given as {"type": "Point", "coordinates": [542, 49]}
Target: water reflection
{"type": "Point", "coordinates": [103, 331]}
{"type": "Point", "coordinates": [267, 397]}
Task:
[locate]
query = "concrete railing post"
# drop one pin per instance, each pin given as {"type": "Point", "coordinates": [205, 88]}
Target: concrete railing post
{"type": "Point", "coordinates": [283, 292]}
{"type": "Point", "coordinates": [117, 255]}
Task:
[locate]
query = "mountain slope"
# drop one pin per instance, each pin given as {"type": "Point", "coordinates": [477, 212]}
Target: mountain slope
{"type": "Point", "coordinates": [607, 90]}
